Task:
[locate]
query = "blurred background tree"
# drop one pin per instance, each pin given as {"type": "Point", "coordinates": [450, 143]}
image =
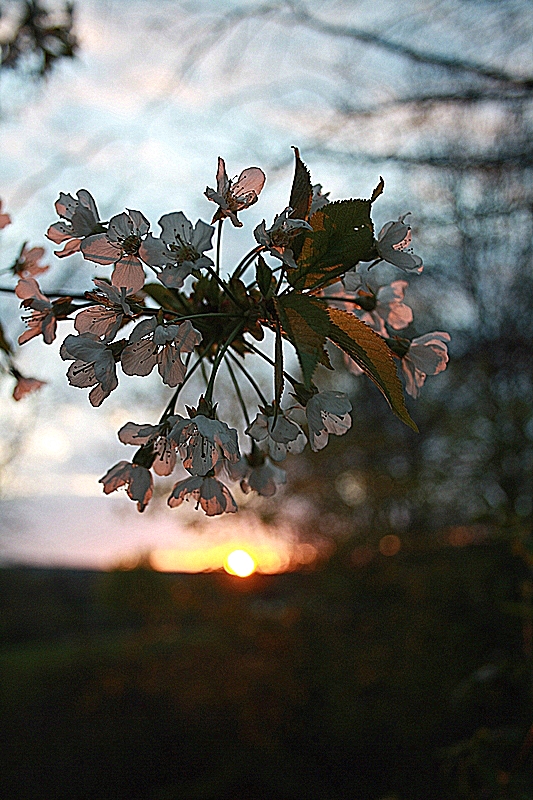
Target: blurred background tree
{"type": "Point", "coordinates": [438, 98]}
{"type": "Point", "coordinates": [35, 36]}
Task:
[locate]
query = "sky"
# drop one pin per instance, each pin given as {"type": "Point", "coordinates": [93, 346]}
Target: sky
{"type": "Point", "coordinates": [139, 119]}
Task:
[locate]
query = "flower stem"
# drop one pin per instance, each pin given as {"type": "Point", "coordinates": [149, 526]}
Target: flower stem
{"type": "Point", "coordinates": [250, 377]}
{"type": "Point", "coordinates": [50, 294]}
{"type": "Point", "coordinates": [245, 262]}
{"type": "Point", "coordinates": [264, 356]}
{"type": "Point", "coordinates": [223, 286]}
{"type": "Point", "coordinates": [237, 391]}
{"type": "Point", "coordinates": [218, 359]}
{"type": "Point", "coordinates": [219, 243]}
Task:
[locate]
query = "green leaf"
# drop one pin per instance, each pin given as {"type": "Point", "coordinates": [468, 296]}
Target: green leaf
{"type": "Point", "coordinates": [371, 353]}
{"type": "Point", "coordinates": [265, 279]}
{"type": "Point", "coordinates": [166, 298]}
{"type": "Point", "coordinates": [238, 290]}
{"type": "Point", "coordinates": [378, 190]}
{"type": "Point", "coordinates": [302, 190]}
{"type": "Point", "coordinates": [300, 199]}
{"type": "Point", "coordinates": [306, 324]}
{"type": "Point", "coordinates": [4, 344]}
{"type": "Point", "coordinates": [342, 235]}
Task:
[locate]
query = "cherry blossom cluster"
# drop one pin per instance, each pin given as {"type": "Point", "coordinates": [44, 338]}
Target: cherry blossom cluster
{"type": "Point", "coordinates": [308, 279]}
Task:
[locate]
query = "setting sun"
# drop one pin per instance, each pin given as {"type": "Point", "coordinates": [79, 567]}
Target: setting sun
{"type": "Point", "coordinates": [240, 563]}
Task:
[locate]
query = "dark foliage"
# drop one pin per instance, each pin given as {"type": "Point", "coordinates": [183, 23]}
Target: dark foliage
{"type": "Point", "coordinates": [348, 682]}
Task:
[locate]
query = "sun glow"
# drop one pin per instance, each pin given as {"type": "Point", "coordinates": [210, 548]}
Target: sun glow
{"type": "Point", "coordinates": [240, 563]}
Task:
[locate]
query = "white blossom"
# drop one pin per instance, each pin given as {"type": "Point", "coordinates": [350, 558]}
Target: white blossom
{"type": "Point", "coordinates": [93, 365]}
{"type": "Point", "coordinates": [278, 238]}
{"type": "Point", "coordinates": [327, 412]}
{"type": "Point", "coordinates": [256, 472]}
{"type": "Point", "coordinates": [104, 319]}
{"type": "Point", "coordinates": [179, 250]}
{"type": "Point", "coordinates": [136, 478]}
{"type": "Point", "coordinates": [427, 355]}
{"type": "Point", "coordinates": [318, 200]}
{"type": "Point", "coordinates": [150, 344]}
{"type": "Point", "coordinates": [393, 246]}
{"type": "Point", "coordinates": [43, 319]}
{"type": "Point", "coordinates": [164, 446]}
{"type": "Point", "coordinates": [209, 493]}
{"type": "Point", "coordinates": [278, 435]}
{"type": "Point", "coordinates": [236, 195]}
{"type": "Point", "coordinates": [204, 442]}
{"type": "Point", "coordinates": [119, 245]}
{"type": "Point", "coordinates": [82, 221]}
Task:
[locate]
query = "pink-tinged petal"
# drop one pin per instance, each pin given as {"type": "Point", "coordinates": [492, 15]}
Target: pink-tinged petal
{"type": "Point", "coordinates": [28, 288]}
{"type": "Point", "coordinates": [165, 459]}
{"type": "Point", "coordinates": [137, 435]}
{"type": "Point", "coordinates": [128, 273]}
{"type": "Point", "coordinates": [99, 249]}
{"type": "Point", "coordinates": [141, 486]}
{"type": "Point", "coordinates": [28, 261]}
{"type": "Point", "coordinates": [374, 321]}
{"type": "Point", "coordinates": [81, 375]}
{"type": "Point", "coordinates": [187, 337]}
{"type": "Point", "coordinates": [87, 201]}
{"type": "Point", "coordinates": [99, 321]}
{"type": "Point", "coordinates": [49, 328]}
{"type": "Point", "coordinates": [120, 227]}
{"type": "Point", "coordinates": [414, 379]}
{"type": "Point", "coordinates": [66, 205]}
{"type": "Point", "coordinates": [138, 480]}
{"type": "Point", "coordinates": [266, 478]}
{"type": "Point", "coordinates": [142, 226]}
{"type": "Point", "coordinates": [26, 386]}
{"type": "Point", "coordinates": [395, 291]}
{"type": "Point", "coordinates": [181, 489]}
{"type": "Point", "coordinates": [251, 180]}
{"type": "Point", "coordinates": [399, 316]}
{"type": "Point", "coordinates": [215, 498]}
{"type": "Point", "coordinates": [352, 366]}
{"type": "Point", "coordinates": [154, 252]}
{"type": "Point", "coordinates": [71, 247]}
{"type": "Point", "coordinates": [97, 396]}
{"type": "Point", "coordinates": [143, 328]}
{"type": "Point", "coordinates": [222, 177]}
{"type": "Point", "coordinates": [59, 232]}
{"type": "Point", "coordinates": [5, 219]}
{"type": "Point", "coordinates": [116, 477]}
{"type": "Point", "coordinates": [105, 371]}
{"type": "Point", "coordinates": [171, 368]}
{"type": "Point", "coordinates": [139, 358]}
{"type": "Point", "coordinates": [29, 334]}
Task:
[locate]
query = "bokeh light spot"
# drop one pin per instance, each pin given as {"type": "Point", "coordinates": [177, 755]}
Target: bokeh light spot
{"type": "Point", "coordinates": [351, 489]}
{"type": "Point", "coordinates": [390, 545]}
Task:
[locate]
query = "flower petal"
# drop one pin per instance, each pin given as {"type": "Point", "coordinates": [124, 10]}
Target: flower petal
{"type": "Point", "coordinates": [128, 273]}
{"type": "Point", "coordinates": [99, 249]}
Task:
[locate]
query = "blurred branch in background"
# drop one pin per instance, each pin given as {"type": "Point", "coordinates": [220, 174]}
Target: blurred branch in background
{"type": "Point", "coordinates": [34, 37]}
